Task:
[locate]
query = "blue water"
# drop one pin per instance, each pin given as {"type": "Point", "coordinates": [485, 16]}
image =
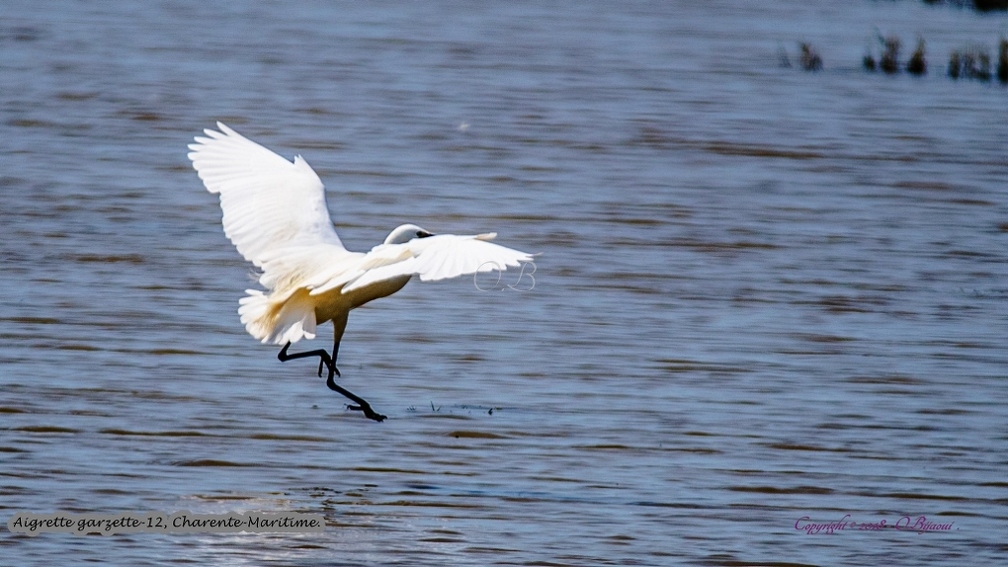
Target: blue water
{"type": "Point", "coordinates": [763, 295]}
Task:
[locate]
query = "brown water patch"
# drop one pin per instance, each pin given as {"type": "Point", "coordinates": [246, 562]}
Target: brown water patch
{"type": "Point", "coordinates": [550, 479]}
{"type": "Point", "coordinates": [928, 185]}
{"type": "Point", "coordinates": [969, 254]}
{"type": "Point", "coordinates": [753, 150]}
{"type": "Point", "coordinates": [32, 320]}
{"type": "Point", "coordinates": [214, 463]}
{"type": "Point", "coordinates": [146, 116]}
{"type": "Point", "coordinates": [817, 338]}
{"type": "Point", "coordinates": [734, 563]}
{"type": "Point", "coordinates": [698, 433]}
{"type": "Point", "coordinates": [971, 202]}
{"type": "Point", "coordinates": [694, 450]}
{"type": "Point", "coordinates": [79, 347]}
{"type": "Point", "coordinates": [491, 550]}
{"type": "Point", "coordinates": [430, 504]}
{"type": "Point", "coordinates": [461, 434]}
{"type": "Point", "coordinates": [111, 491]}
{"type": "Point", "coordinates": [846, 304]}
{"type": "Point", "coordinates": [388, 470]}
{"type": "Point", "coordinates": [833, 426]}
{"type": "Point", "coordinates": [125, 432]}
{"type": "Point", "coordinates": [442, 539]}
{"type": "Point", "coordinates": [711, 246]}
{"type": "Point", "coordinates": [912, 496]}
{"type": "Point", "coordinates": [111, 259]}
{"type": "Point", "coordinates": [169, 351]}
{"type": "Point", "coordinates": [995, 484]}
{"type": "Point", "coordinates": [605, 447]}
{"type": "Point", "coordinates": [776, 490]}
{"type": "Point", "coordinates": [902, 379]}
{"type": "Point", "coordinates": [76, 96]}
{"type": "Point", "coordinates": [306, 144]}
{"type": "Point", "coordinates": [944, 411]}
{"type": "Point", "coordinates": [636, 221]}
{"type": "Point", "coordinates": [800, 447]}
{"type": "Point", "coordinates": [235, 497]}
{"type": "Point", "coordinates": [31, 123]}
{"type": "Point", "coordinates": [686, 365]}
{"type": "Point", "coordinates": [274, 437]}
{"type": "Point", "coordinates": [46, 429]}
{"type": "Point", "coordinates": [307, 546]}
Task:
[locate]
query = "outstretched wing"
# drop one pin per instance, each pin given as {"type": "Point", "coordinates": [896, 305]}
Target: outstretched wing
{"type": "Point", "coordinates": [269, 203]}
{"type": "Point", "coordinates": [436, 257]}
{"type": "Point", "coordinates": [447, 256]}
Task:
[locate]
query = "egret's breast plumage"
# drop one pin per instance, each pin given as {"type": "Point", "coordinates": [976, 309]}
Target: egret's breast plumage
{"type": "Point", "coordinates": [334, 303]}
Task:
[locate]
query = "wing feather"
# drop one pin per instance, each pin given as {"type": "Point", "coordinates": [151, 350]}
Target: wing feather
{"type": "Point", "coordinates": [269, 203]}
{"type": "Point", "coordinates": [436, 258]}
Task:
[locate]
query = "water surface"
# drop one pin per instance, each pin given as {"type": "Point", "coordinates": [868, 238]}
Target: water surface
{"type": "Point", "coordinates": [764, 294]}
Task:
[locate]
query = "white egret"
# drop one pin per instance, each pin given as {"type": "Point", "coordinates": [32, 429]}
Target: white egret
{"type": "Point", "coordinates": [275, 213]}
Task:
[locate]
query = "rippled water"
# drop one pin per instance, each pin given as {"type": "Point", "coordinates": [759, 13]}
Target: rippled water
{"type": "Point", "coordinates": [764, 294]}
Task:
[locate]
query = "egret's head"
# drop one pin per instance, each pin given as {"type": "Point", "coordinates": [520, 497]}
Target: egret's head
{"type": "Point", "coordinates": [404, 233]}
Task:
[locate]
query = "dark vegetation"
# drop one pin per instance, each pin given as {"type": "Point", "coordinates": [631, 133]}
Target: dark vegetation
{"type": "Point", "coordinates": [971, 62]}
{"type": "Point", "coordinates": [810, 59]}
{"type": "Point", "coordinates": [978, 5]}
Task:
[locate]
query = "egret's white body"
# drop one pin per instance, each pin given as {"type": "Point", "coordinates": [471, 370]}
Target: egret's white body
{"type": "Point", "coordinates": [275, 213]}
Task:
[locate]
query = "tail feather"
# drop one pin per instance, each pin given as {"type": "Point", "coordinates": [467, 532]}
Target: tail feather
{"type": "Point", "coordinates": [278, 320]}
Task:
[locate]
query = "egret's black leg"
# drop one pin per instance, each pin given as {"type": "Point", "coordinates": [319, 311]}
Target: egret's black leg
{"type": "Point", "coordinates": [362, 404]}
{"type": "Point", "coordinates": [330, 360]}
{"type": "Point", "coordinates": [335, 353]}
{"type": "Point", "coordinates": [324, 358]}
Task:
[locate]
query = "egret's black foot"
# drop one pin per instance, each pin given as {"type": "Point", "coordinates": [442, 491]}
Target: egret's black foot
{"type": "Point", "coordinates": [368, 412]}
{"type": "Point", "coordinates": [361, 406]}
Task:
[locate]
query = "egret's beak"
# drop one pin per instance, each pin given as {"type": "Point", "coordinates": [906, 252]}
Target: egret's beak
{"type": "Point", "coordinates": [423, 234]}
